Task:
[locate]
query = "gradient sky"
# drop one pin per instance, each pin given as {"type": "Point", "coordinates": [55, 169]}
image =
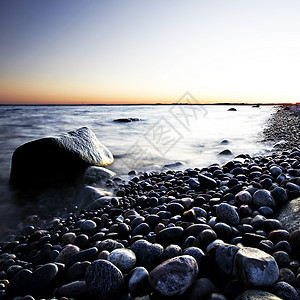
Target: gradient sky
{"type": "Point", "coordinates": [74, 51]}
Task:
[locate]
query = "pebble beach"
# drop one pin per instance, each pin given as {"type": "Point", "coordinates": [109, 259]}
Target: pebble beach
{"type": "Point", "coordinates": [225, 231]}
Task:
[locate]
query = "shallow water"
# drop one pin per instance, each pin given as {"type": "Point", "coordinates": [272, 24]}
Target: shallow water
{"type": "Point", "coordinates": [165, 134]}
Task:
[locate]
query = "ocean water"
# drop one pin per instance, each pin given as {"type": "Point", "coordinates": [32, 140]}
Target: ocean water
{"type": "Point", "coordinates": [165, 134]}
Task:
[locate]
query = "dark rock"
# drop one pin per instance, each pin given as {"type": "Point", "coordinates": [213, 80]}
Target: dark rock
{"type": "Point", "coordinates": [225, 152]}
{"type": "Point", "coordinates": [222, 257]}
{"type": "Point", "coordinates": [171, 251]}
{"type": "Point", "coordinates": [174, 276]}
{"type": "Point", "coordinates": [103, 279]}
{"type": "Point", "coordinates": [197, 253]}
{"type": "Point", "coordinates": [75, 289]}
{"type": "Point", "coordinates": [243, 197]}
{"type": "Point", "coordinates": [56, 161]}
{"type": "Point", "coordinates": [257, 295]}
{"type": "Point", "coordinates": [227, 214]}
{"type": "Point", "coordinates": [122, 258]}
{"type": "Point", "coordinates": [127, 120]}
{"type": "Point", "coordinates": [201, 289]}
{"type": "Point", "coordinates": [282, 259]}
{"type": "Point", "coordinates": [109, 245]}
{"type": "Point", "coordinates": [88, 225]}
{"type": "Point", "coordinates": [204, 238]}
{"type": "Point", "coordinates": [84, 255]}
{"type": "Point", "coordinates": [256, 268]}
{"type": "Point", "coordinates": [278, 235]}
{"type": "Point", "coordinates": [207, 182]}
{"type": "Point", "coordinates": [138, 279]}
{"type": "Point", "coordinates": [66, 254]}
{"type": "Point", "coordinates": [148, 255]}
{"type": "Point", "coordinates": [280, 195]}
{"type": "Point", "coordinates": [263, 198]}
{"type": "Point", "coordinates": [20, 281]}
{"type": "Point", "coordinates": [285, 291]}
{"type": "Point", "coordinates": [287, 275]}
{"type": "Point", "coordinates": [77, 271]}
{"type": "Point", "coordinates": [41, 278]}
{"type": "Point", "coordinates": [294, 240]}
{"type": "Point", "coordinates": [170, 234]}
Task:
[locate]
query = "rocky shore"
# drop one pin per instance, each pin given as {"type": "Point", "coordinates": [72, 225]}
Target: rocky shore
{"type": "Point", "coordinates": [214, 233]}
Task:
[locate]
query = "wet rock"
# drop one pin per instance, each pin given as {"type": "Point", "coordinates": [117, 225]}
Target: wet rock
{"type": "Point", "coordinates": [88, 225]}
{"type": "Point", "coordinates": [127, 120]}
{"type": "Point", "coordinates": [263, 198]}
{"type": "Point", "coordinates": [97, 175]}
{"type": "Point", "coordinates": [138, 279]}
{"type": "Point", "coordinates": [174, 276]}
{"type": "Point", "coordinates": [75, 289]}
{"type": "Point", "coordinates": [256, 268]}
{"type": "Point", "coordinates": [168, 235]}
{"type": "Point", "coordinates": [227, 214]}
{"type": "Point", "coordinates": [54, 161]}
{"type": "Point", "coordinates": [280, 195]}
{"type": "Point", "coordinates": [257, 295]}
{"type": "Point", "coordinates": [41, 278]}
{"type": "Point", "coordinates": [66, 254]}
{"type": "Point", "coordinates": [222, 257]}
{"type": "Point", "coordinates": [148, 255]}
{"type": "Point", "coordinates": [201, 288]}
{"type": "Point", "coordinates": [243, 197]}
{"type": "Point", "coordinates": [207, 182]}
{"type": "Point", "coordinates": [122, 258]}
{"type": "Point", "coordinates": [285, 291]}
{"type": "Point", "coordinates": [103, 279]}
{"type": "Point", "coordinates": [225, 152]}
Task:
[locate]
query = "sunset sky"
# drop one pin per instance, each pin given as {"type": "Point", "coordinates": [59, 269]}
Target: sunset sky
{"type": "Point", "coordinates": [92, 51]}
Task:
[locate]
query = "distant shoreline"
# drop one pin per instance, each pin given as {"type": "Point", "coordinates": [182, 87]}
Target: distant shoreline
{"type": "Point", "coordinates": [160, 104]}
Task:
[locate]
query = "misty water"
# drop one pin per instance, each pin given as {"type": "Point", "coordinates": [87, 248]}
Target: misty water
{"type": "Point", "coordinates": [164, 135]}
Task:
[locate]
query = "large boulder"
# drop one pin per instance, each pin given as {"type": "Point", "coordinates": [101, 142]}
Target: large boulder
{"type": "Point", "coordinates": [58, 160]}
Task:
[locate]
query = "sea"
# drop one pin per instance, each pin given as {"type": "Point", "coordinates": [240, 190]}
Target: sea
{"type": "Point", "coordinates": [179, 136]}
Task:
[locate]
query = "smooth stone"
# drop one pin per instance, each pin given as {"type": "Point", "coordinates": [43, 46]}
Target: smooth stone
{"type": "Point", "coordinates": [257, 295]}
{"type": "Point", "coordinates": [122, 258]}
{"type": "Point", "coordinates": [232, 109]}
{"type": "Point", "coordinates": [282, 259]}
{"type": "Point", "coordinates": [287, 275]}
{"type": "Point", "coordinates": [171, 251]}
{"type": "Point", "coordinates": [75, 289]}
{"type": "Point", "coordinates": [243, 197]}
{"type": "Point", "coordinates": [225, 152]}
{"type": "Point", "coordinates": [148, 255]}
{"type": "Point", "coordinates": [138, 279]}
{"type": "Point", "coordinates": [174, 276]}
{"type": "Point", "coordinates": [103, 279]}
{"type": "Point", "coordinates": [207, 182]}
{"type": "Point", "coordinates": [201, 289]}
{"type": "Point", "coordinates": [263, 198]}
{"type": "Point", "coordinates": [84, 255]}
{"type": "Point", "coordinates": [141, 229]}
{"type": "Point", "coordinates": [57, 160]}
{"type": "Point", "coordinates": [127, 120]}
{"type": "Point", "coordinates": [94, 174]}
{"type": "Point", "coordinates": [109, 245]}
{"type": "Point", "coordinates": [254, 267]}
{"type": "Point", "coordinates": [294, 240]}
{"type": "Point", "coordinates": [68, 238]}
{"type": "Point", "coordinates": [66, 254]}
{"type": "Point", "coordinates": [279, 194]}
{"type": "Point", "coordinates": [275, 171]}
{"type": "Point", "coordinates": [285, 291]}
{"type": "Point", "coordinates": [227, 214]}
{"type": "Point", "coordinates": [204, 238]}
{"type": "Point", "coordinates": [20, 280]}
{"type": "Point", "coordinates": [41, 278]}
{"type": "Point", "coordinates": [88, 225]}
{"type": "Point", "coordinates": [222, 256]}
{"type": "Point", "coordinates": [197, 253]}
{"type": "Point", "coordinates": [169, 234]}
{"type": "Point", "coordinates": [77, 271]}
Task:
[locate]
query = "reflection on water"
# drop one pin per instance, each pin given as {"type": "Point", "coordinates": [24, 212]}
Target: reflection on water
{"type": "Point", "coordinates": [164, 135]}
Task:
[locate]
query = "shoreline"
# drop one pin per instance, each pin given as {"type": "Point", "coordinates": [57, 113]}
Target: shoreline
{"type": "Point", "coordinates": [162, 215]}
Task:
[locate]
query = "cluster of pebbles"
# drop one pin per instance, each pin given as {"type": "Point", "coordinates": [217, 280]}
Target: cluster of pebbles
{"type": "Point", "coordinates": [284, 127]}
{"type": "Point", "coordinates": [193, 234]}
{"type": "Point", "coordinates": [208, 233]}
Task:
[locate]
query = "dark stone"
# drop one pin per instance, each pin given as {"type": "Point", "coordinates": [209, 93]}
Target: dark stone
{"type": "Point", "coordinates": [103, 279]}
{"type": "Point", "coordinates": [84, 255]}
{"type": "Point", "coordinates": [225, 152]}
{"type": "Point", "coordinates": [57, 161]}
{"type": "Point", "coordinates": [285, 291]}
{"type": "Point", "coordinates": [169, 235]}
{"type": "Point", "coordinates": [227, 214]}
{"type": "Point", "coordinates": [174, 276]}
{"type": "Point", "coordinates": [201, 289]}
{"type": "Point", "coordinates": [232, 109]}
{"type": "Point", "coordinates": [75, 289]}
{"type": "Point", "coordinates": [207, 182]}
{"type": "Point", "coordinates": [41, 278]}
{"type": "Point", "coordinates": [127, 120]}
{"type": "Point", "coordinates": [294, 240]}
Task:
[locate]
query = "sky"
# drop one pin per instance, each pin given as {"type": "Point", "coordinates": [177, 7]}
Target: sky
{"type": "Point", "coordinates": [142, 51]}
